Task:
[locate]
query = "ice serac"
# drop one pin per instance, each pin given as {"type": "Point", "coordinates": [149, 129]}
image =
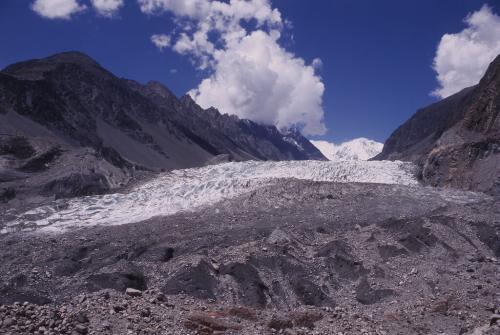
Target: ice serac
{"type": "Point", "coordinates": [456, 141]}
{"type": "Point", "coordinates": [69, 103]}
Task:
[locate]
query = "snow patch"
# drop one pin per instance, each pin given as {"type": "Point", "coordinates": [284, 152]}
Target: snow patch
{"type": "Point", "coordinates": [293, 142]}
{"type": "Point", "coordinates": [186, 190]}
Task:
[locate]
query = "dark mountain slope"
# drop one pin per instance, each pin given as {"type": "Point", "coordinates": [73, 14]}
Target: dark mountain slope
{"type": "Point", "coordinates": [69, 103]}
{"type": "Point", "coordinates": [416, 137]}
{"type": "Point", "coordinates": [72, 94]}
{"type": "Point", "coordinates": [227, 134]}
{"type": "Point", "coordinates": [87, 106]}
{"type": "Point", "coordinates": [456, 141]}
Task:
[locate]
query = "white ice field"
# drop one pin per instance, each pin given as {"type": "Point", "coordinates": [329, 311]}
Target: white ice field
{"type": "Point", "coordinates": [185, 190]}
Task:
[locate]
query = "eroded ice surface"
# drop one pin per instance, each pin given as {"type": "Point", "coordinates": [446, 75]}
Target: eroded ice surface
{"type": "Point", "coordinates": [189, 189]}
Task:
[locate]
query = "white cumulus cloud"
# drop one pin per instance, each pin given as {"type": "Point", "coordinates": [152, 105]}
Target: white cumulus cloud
{"type": "Point", "coordinates": [462, 58]}
{"type": "Point", "coordinates": [191, 8]}
{"type": "Point", "coordinates": [107, 8]}
{"type": "Point", "coordinates": [161, 41]}
{"type": "Point", "coordinates": [250, 74]}
{"type": "Point", "coordinates": [57, 9]}
{"type": "Point", "coordinates": [256, 79]}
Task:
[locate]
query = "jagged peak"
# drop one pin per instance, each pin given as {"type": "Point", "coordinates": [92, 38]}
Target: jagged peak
{"type": "Point", "coordinates": [187, 100]}
{"type": "Point", "coordinates": [214, 112]}
{"type": "Point", "coordinates": [160, 89]}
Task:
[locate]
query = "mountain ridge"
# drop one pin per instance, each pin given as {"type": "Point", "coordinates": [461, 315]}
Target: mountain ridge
{"type": "Point", "coordinates": [69, 102]}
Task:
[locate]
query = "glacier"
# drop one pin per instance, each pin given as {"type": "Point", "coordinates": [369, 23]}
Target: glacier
{"type": "Point", "coordinates": [189, 189]}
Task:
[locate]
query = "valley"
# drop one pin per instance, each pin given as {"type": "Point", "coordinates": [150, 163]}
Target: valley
{"type": "Point", "coordinates": [127, 210]}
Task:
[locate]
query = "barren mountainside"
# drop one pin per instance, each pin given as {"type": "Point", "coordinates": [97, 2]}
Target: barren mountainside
{"type": "Point", "coordinates": [72, 128]}
{"type": "Point", "coordinates": [456, 141]}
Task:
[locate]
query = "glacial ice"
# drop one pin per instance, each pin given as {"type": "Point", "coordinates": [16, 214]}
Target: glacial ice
{"type": "Point", "coordinates": [185, 190]}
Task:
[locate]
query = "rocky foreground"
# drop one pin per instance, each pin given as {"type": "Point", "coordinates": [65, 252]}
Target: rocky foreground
{"type": "Point", "coordinates": [296, 257]}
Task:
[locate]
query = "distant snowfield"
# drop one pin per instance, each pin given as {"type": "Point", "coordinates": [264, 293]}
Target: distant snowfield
{"type": "Point", "coordinates": [356, 149]}
{"type": "Point", "coordinates": [185, 190]}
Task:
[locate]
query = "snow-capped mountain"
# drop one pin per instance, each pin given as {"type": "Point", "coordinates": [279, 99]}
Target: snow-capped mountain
{"type": "Point", "coordinates": [356, 149]}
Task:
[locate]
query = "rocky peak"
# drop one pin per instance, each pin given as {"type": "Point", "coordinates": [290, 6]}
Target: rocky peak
{"type": "Point", "coordinates": [213, 112]}
{"type": "Point", "coordinates": [483, 113]}
{"type": "Point", "coordinates": [37, 69]}
{"type": "Point", "coordinates": [188, 102]}
{"type": "Point", "coordinates": [158, 88]}
{"type": "Point", "coordinates": [74, 57]}
{"type": "Point", "coordinates": [72, 96]}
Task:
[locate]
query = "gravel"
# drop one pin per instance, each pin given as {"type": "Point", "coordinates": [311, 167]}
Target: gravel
{"type": "Point", "coordinates": [297, 257]}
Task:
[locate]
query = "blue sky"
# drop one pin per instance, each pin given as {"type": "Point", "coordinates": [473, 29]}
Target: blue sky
{"type": "Point", "coordinates": [377, 56]}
